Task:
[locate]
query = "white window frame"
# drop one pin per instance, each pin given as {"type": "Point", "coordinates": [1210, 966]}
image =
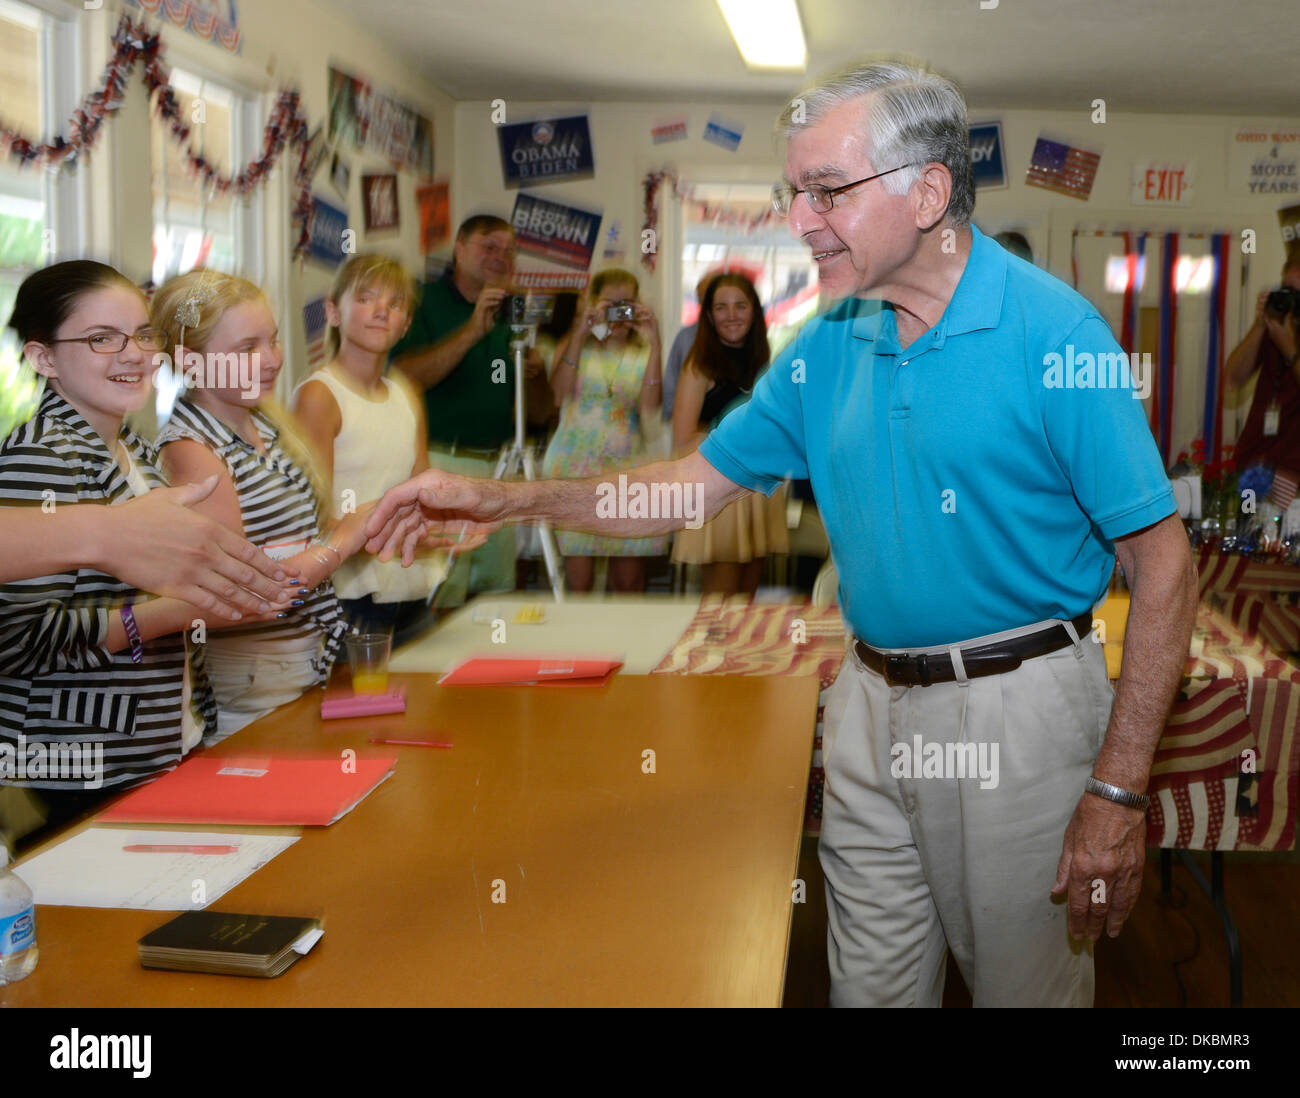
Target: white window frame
{"type": "Point", "coordinates": [262, 237]}
{"type": "Point", "coordinates": [248, 110]}
{"type": "Point", "coordinates": [64, 195]}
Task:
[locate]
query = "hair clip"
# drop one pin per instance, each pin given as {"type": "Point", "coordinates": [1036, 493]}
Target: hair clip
{"type": "Point", "coordinates": [203, 291]}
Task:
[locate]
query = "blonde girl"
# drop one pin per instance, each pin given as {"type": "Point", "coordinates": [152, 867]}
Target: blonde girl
{"type": "Point", "coordinates": [607, 377]}
{"type": "Point", "coordinates": [366, 427]}
{"type": "Point", "coordinates": [224, 337]}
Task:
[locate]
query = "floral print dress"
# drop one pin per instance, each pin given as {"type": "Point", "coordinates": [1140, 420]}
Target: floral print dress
{"type": "Point", "coordinates": [600, 433]}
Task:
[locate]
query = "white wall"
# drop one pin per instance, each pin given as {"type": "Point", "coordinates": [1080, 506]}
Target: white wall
{"type": "Point", "coordinates": [624, 152]}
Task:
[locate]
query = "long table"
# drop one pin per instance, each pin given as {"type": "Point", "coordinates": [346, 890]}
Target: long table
{"type": "Point", "coordinates": [639, 629]}
{"type": "Point", "coordinates": [620, 887]}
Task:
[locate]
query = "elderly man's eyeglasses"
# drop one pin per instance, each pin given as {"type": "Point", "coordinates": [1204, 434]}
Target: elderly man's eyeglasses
{"type": "Point", "coordinates": [820, 198]}
{"type": "Point", "coordinates": [111, 343]}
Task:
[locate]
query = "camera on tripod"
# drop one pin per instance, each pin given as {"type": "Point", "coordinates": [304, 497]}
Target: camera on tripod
{"type": "Point", "coordinates": [524, 311]}
{"type": "Point", "coordinates": [1283, 302]}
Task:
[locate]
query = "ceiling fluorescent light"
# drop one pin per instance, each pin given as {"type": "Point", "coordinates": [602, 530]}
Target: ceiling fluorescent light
{"type": "Point", "coordinates": [767, 32]}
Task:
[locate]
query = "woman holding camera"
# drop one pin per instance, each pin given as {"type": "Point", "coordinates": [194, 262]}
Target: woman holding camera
{"type": "Point", "coordinates": [607, 381]}
{"type": "Point", "coordinates": [1271, 433]}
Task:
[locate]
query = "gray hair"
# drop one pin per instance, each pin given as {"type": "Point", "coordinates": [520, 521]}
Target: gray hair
{"type": "Point", "coordinates": [917, 117]}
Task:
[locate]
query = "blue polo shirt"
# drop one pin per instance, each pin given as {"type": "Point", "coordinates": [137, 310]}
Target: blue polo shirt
{"type": "Point", "coordinates": [965, 489]}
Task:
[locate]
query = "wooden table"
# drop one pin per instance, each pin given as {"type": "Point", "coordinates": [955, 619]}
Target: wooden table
{"type": "Point", "coordinates": [621, 887]}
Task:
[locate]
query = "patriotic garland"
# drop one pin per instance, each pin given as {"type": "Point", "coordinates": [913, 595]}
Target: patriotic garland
{"type": "Point", "coordinates": [710, 213]}
{"type": "Point", "coordinates": [132, 41]}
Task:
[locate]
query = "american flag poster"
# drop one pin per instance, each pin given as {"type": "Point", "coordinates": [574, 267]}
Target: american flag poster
{"type": "Point", "coordinates": [1283, 489]}
{"type": "Point", "coordinates": [313, 319]}
{"type": "Point", "coordinates": [1062, 168]}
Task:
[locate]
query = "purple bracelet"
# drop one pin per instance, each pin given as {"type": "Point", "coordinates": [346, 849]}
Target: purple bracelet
{"type": "Point", "coordinates": [132, 634]}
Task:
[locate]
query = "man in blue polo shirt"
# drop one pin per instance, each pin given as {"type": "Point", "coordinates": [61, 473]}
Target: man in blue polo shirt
{"type": "Point", "coordinates": [975, 444]}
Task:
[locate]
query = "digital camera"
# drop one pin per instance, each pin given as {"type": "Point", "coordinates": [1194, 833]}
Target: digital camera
{"type": "Point", "coordinates": [615, 314]}
{"type": "Point", "coordinates": [513, 309]}
{"type": "Point", "coordinates": [526, 310]}
{"type": "Point", "coordinates": [1282, 302]}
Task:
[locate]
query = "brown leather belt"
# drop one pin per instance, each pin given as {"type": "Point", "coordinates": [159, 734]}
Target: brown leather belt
{"type": "Point", "coordinates": [984, 659]}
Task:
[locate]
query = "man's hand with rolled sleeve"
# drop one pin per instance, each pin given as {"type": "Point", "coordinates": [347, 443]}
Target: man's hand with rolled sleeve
{"type": "Point", "coordinates": [1104, 850]}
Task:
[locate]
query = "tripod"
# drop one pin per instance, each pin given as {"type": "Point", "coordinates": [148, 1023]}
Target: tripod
{"type": "Point", "coordinates": [517, 456]}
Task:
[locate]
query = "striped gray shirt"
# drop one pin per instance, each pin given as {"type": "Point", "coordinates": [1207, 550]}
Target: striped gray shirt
{"type": "Point", "coordinates": [61, 693]}
{"type": "Point", "coordinates": [278, 506]}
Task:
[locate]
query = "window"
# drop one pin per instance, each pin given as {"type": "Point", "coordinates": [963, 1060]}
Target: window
{"type": "Point", "coordinates": [193, 225]}
{"type": "Point", "coordinates": [24, 194]}
{"type": "Point", "coordinates": [716, 237]}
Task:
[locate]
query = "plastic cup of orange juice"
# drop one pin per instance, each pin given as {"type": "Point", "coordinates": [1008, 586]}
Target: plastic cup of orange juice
{"type": "Point", "coordinates": [368, 654]}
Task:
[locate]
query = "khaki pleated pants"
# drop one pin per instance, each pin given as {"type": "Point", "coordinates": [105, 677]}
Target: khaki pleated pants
{"type": "Point", "coordinates": [916, 865]}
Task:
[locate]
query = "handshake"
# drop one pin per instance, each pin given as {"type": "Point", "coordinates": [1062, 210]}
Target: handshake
{"type": "Point", "coordinates": [436, 510]}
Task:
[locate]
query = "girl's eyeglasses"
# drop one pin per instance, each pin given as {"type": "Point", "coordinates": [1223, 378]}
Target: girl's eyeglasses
{"type": "Point", "coordinates": [111, 343]}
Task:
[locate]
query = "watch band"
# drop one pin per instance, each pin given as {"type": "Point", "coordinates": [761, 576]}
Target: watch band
{"type": "Point", "coordinates": [132, 634]}
{"type": "Point", "coordinates": [1116, 794]}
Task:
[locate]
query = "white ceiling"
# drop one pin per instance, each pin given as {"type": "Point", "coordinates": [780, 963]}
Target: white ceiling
{"type": "Point", "coordinates": [1177, 56]}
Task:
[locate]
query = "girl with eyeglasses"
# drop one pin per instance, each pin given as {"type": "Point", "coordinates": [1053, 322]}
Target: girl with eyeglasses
{"type": "Point", "coordinates": [96, 692]}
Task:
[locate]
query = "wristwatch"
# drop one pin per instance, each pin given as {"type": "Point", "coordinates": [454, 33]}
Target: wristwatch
{"type": "Point", "coordinates": [1116, 794]}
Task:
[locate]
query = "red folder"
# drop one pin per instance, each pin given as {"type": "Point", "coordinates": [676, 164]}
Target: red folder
{"type": "Point", "coordinates": [266, 791]}
{"type": "Point", "coordinates": [484, 671]}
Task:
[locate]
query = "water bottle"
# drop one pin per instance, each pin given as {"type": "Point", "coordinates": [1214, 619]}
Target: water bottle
{"type": "Point", "coordinates": [17, 926]}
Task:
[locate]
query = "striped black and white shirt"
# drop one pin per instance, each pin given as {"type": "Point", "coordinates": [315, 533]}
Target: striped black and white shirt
{"type": "Point", "coordinates": [278, 508]}
{"type": "Point", "coordinates": [62, 696]}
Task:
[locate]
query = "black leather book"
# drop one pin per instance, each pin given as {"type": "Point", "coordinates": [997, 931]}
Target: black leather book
{"type": "Point", "coordinates": [223, 942]}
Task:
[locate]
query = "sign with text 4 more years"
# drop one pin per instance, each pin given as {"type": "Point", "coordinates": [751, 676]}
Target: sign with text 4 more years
{"type": "Point", "coordinates": [1265, 160]}
{"type": "Point", "coordinates": [1159, 183]}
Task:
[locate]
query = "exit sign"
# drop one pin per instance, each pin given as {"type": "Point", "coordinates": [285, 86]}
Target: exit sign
{"type": "Point", "coordinates": [1162, 184]}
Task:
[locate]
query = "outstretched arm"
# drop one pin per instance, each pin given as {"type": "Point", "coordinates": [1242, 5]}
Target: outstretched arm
{"type": "Point", "coordinates": [435, 507]}
{"type": "Point", "coordinates": [155, 542]}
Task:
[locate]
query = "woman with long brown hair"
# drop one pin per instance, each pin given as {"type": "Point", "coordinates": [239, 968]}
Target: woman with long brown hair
{"type": "Point", "coordinates": [729, 353]}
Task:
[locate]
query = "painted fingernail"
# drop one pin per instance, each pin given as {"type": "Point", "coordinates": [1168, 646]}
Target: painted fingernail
{"type": "Point", "coordinates": [282, 615]}
{"type": "Point", "coordinates": [304, 591]}
{"type": "Point", "coordinates": [296, 602]}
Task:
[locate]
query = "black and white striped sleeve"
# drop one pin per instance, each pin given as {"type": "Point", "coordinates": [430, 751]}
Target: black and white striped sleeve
{"type": "Point", "coordinates": [42, 628]}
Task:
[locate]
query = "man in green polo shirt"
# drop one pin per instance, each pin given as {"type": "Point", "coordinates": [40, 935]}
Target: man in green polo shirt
{"type": "Point", "coordinates": [457, 353]}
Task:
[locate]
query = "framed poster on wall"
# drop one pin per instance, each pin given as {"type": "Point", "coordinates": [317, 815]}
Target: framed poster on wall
{"type": "Point", "coordinates": [379, 201]}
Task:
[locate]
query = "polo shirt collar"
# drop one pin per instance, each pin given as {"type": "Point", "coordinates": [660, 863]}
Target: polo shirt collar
{"type": "Point", "coordinates": [976, 303]}
{"type": "Point", "coordinates": [52, 404]}
{"type": "Point", "coordinates": [107, 476]}
{"type": "Point", "coordinates": [449, 277]}
{"type": "Point", "coordinates": [219, 429]}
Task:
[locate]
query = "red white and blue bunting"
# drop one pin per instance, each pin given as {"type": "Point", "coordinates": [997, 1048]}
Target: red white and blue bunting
{"type": "Point", "coordinates": [132, 42]}
{"type": "Point", "coordinates": [200, 17]}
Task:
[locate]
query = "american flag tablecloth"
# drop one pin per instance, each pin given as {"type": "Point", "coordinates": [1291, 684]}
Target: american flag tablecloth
{"type": "Point", "coordinates": [1232, 573]}
{"type": "Point", "coordinates": [1239, 695]}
